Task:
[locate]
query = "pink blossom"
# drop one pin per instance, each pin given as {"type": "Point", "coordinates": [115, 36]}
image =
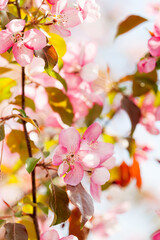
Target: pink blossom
{"type": "Point", "coordinates": [154, 42]}
{"type": "Point", "coordinates": [156, 235]}
{"type": "Point", "coordinates": [147, 65]}
{"type": "Point", "coordinates": [149, 114]}
{"type": "Point", "coordinates": [75, 155]}
{"type": "Point", "coordinates": [3, 4]}
{"type": "Point", "coordinates": [67, 158]}
{"type": "Point", "coordinates": [53, 235]}
{"type": "Point", "coordinates": [100, 161]}
{"type": "Point", "coordinates": [80, 72]}
{"type": "Point", "coordinates": [23, 43]}
{"type": "Point", "coordinates": [89, 9]}
{"type": "Point", "coordinates": [64, 17]}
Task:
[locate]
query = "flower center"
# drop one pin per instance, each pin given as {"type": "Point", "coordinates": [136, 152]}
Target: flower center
{"type": "Point", "coordinates": [16, 37]}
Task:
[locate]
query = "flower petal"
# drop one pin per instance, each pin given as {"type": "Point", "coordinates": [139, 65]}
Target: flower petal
{"type": "Point", "coordinates": [109, 163]}
{"type": "Point", "coordinates": [91, 160]}
{"type": "Point", "coordinates": [100, 176]}
{"type": "Point", "coordinates": [34, 39]}
{"type": "Point", "coordinates": [50, 235]}
{"type": "Point", "coordinates": [154, 46]}
{"type": "Point", "coordinates": [103, 150]}
{"type": "Point", "coordinates": [89, 72]}
{"type": "Point", "coordinates": [71, 17]}
{"type": "Point", "coordinates": [22, 54]}
{"type": "Point", "coordinates": [75, 175]}
{"type": "Point", "coordinates": [6, 41]}
{"type": "Point", "coordinates": [92, 133]}
{"type": "Point", "coordinates": [59, 156]}
{"type": "Point", "coordinates": [70, 139]}
{"type": "Point", "coordinates": [95, 191]}
{"type": "Point", "coordinates": [70, 237]}
{"type": "Point", "coordinates": [63, 169]}
{"type": "Point", "coordinates": [16, 25]}
{"type": "Point", "coordinates": [3, 4]}
{"type": "Point", "coordinates": [156, 235]}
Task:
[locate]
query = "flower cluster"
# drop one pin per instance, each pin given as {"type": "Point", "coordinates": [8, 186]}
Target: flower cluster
{"type": "Point", "coordinates": [74, 156]}
{"type": "Point", "coordinates": [148, 64]}
{"type": "Point", "coordinates": [79, 69]}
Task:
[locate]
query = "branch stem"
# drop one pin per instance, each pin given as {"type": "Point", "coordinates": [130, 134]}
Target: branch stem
{"type": "Point", "coordinates": [33, 174]}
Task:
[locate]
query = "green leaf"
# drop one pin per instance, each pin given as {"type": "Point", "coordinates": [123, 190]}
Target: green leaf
{"type": "Point", "coordinates": [93, 113]}
{"type": "Point", "coordinates": [132, 146]}
{"type": "Point", "coordinates": [129, 23]}
{"type": "Point", "coordinates": [59, 204]}
{"type": "Point", "coordinates": [17, 144]}
{"type": "Point", "coordinates": [50, 57]}
{"type": "Point", "coordinates": [43, 208]}
{"type": "Point", "coordinates": [5, 86]}
{"type": "Point", "coordinates": [31, 163]}
{"type": "Point", "coordinates": [82, 200]}
{"type": "Point", "coordinates": [18, 214]}
{"type": "Point", "coordinates": [2, 133]}
{"type": "Point", "coordinates": [132, 110]}
{"type": "Point", "coordinates": [28, 102]}
{"type": "Point", "coordinates": [15, 231]}
{"type": "Point", "coordinates": [46, 154]}
{"type": "Point", "coordinates": [60, 103]}
{"type": "Point", "coordinates": [142, 82]}
{"type": "Point", "coordinates": [2, 222]}
{"type": "Point", "coordinates": [59, 78]}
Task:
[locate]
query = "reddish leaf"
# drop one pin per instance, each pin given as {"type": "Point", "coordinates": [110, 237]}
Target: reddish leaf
{"type": "Point", "coordinates": [50, 57]}
{"type": "Point", "coordinates": [129, 23]}
{"type": "Point", "coordinates": [82, 200]}
{"type": "Point", "coordinates": [133, 111]}
{"type": "Point", "coordinates": [15, 231]}
{"type": "Point", "coordinates": [75, 225]}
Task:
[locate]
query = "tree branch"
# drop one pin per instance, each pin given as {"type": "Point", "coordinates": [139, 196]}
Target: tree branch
{"type": "Point", "coordinates": [33, 174]}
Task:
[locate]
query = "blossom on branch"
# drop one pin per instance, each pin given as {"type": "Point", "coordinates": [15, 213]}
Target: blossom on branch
{"type": "Point", "coordinates": [23, 43]}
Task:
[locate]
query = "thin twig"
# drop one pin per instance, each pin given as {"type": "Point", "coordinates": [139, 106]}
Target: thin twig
{"type": "Point", "coordinates": [33, 174]}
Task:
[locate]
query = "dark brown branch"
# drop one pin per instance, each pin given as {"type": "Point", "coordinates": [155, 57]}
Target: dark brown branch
{"type": "Point", "coordinates": [33, 174]}
{"type": "Point", "coordinates": [18, 9]}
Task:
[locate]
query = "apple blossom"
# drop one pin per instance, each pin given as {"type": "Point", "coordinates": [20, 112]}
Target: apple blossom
{"type": "Point", "coordinates": [147, 65]}
{"type": "Point", "coordinates": [64, 17]}
{"type": "Point", "coordinates": [3, 4]}
{"type": "Point", "coordinates": [53, 235]}
{"type": "Point", "coordinates": [23, 43]}
{"type": "Point", "coordinates": [154, 41]}
{"type": "Point", "coordinates": [67, 158]}
{"type": "Point", "coordinates": [89, 9]}
{"type": "Point", "coordinates": [156, 235]}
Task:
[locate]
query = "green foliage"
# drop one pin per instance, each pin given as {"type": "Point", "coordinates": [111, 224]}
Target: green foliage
{"type": "Point", "coordinates": [60, 103]}
{"type": "Point", "coordinates": [17, 144]}
{"type": "Point", "coordinates": [2, 133]}
{"type": "Point", "coordinates": [59, 204]}
{"type": "Point", "coordinates": [31, 163]}
{"type": "Point", "coordinates": [142, 82]}
{"type": "Point", "coordinates": [129, 23]}
{"type": "Point", "coordinates": [28, 102]}
{"type": "Point", "coordinates": [5, 88]}
{"type": "Point", "coordinates": [93, 113]}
